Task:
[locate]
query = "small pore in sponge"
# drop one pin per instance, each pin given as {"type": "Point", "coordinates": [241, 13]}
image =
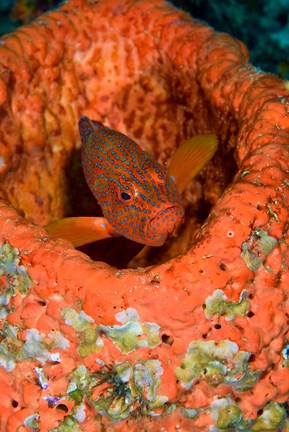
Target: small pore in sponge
{"type": "Point", "coordinates": [167, 339]}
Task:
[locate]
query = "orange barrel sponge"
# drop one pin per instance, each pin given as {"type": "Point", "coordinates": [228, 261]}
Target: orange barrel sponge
{"type": "Point", "coordinates": [199, 342]}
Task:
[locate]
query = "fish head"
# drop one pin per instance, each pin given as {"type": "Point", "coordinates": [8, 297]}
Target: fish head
{"type": "Point", "coordinates": [164, 225]}
{"type": "Point", "coordinates": [146, 206]}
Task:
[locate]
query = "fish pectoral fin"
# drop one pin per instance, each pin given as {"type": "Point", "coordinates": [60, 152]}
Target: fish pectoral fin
{"type": "Point", "coordinates": [190, 158]}
{"type": "Point", "coordinates": [81, 230]}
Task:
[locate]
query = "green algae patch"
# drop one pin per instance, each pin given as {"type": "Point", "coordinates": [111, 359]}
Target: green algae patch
{"type": "Point", "coordinates": [69, 424]}
{"type": "Point", "coordinates": [286, 424]}
{"type": "Point", "coordinates": [285, 353]}
{"type": "Point", "coordinates": [32, 422]}
{"type": "Point", "coordinates": [145, 380]}
{"type": "Point", "coordinates": [189, 413]}
{"type": "Point", "coordinates": [128, 337]}
{"type": "Point", "coordinates": [14, 278]}
{"type": "Point", "coordinates": [227, 415]}
{"type": "Point", "coordinates": [218, 304]}
{"type": "Point", "coordinates": [132, 388]}
{"type": "Point", "coordinates": [81, 380]}
{"type": "Point", "coordinates": [11, 348]}
{"type": "Point", "coordinates": [39, 346]}
{"type": "Point", "coordinates": [240, 376]}
{"type": "Point", "coordinates": [272, 418]}
{"type": "Point", "coordinates": [258, 246]}
{"type": "Point", "coordinates": [86, 329]}
{"type": "Point", "coordinates": [133, 333]}
{"type": "Point", "coordinates": [216, 363]}
{"type": "Point", "coordinates": [120, 390]}
{"type": "Point", "coordinates": [36, 346]}
{"type": "Point", "coordinates": [42, 379]}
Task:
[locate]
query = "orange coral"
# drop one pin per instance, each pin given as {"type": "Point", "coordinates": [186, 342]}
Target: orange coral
{"type": "Point", "coordinates": [198, 342]}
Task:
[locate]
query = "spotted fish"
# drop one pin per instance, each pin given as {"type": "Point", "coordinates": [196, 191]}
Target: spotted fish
{"type": "Point", "coordinates": [139, 198]}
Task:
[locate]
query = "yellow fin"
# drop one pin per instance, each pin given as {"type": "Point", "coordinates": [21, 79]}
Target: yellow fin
{"type": "Point", "coordinates": [81, 230]}
{"type": "Point", "coordinates": [190, 158]}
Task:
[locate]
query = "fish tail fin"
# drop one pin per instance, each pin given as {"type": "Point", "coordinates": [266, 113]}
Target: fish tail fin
{"type": "Point", "coordinates": [190, 158]}
{"type": "Point", "coordinates": [81, 230]}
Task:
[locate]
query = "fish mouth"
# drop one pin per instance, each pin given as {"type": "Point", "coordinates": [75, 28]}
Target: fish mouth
{"type": "Point", "coordinates": [164, 225]}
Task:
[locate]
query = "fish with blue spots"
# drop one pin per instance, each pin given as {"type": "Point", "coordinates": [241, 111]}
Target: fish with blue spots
{"type": "Point", "coordinates": [139, 198]}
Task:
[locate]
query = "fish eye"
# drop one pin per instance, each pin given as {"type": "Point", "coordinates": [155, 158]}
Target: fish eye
{"type": "Point", "coordinates": [125, 196]}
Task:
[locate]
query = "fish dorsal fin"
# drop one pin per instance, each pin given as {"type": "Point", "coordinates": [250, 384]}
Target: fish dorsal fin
{"type": "Point", "coordinates": [81, 230]}
{"type": "Point", "coordinates": [190, 158]}
{"type": "Point", "coordinates": [87, 126]}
